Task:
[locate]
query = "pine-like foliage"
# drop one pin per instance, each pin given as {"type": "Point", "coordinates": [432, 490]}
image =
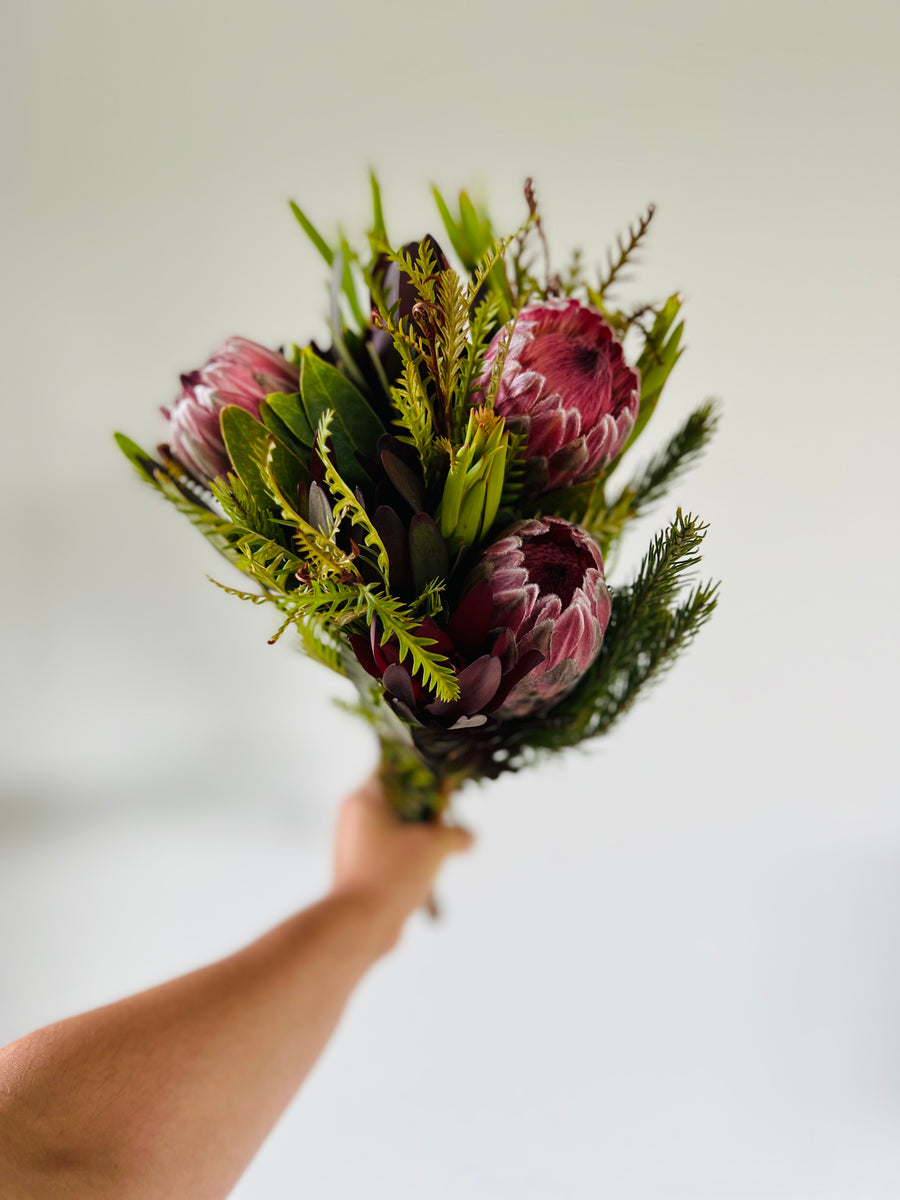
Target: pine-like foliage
{"type": "Point", "coordinates": [346, 532]}
{"type": "Point", "coordinates": [652, 622]}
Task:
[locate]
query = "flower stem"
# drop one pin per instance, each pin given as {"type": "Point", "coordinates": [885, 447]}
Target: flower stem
{"type": "Point", "coordinates": [413, 789]}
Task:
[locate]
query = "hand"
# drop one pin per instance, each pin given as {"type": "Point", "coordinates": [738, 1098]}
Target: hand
{"type": "Point", "coordinates": [387, 863]}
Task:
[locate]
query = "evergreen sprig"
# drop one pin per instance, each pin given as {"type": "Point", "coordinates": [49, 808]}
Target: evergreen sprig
{"type": "Point", "coordinates": [313, 550]}
{"type": "Point", "coordinates": [585, 504]}
{"type": "Point", "coordinates": [649, 626]}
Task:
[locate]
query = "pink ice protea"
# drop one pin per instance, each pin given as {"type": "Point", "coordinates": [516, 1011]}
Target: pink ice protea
{"type": "Point", "coordinates": [567, 386]}
{"type": "Point", "coordinates": [240, 372]}
{"type": "Point", "coordinates": [547, 588]}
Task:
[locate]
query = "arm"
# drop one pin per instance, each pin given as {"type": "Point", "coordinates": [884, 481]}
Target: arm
{"type": "Point", "coordinates": [171, 1092]}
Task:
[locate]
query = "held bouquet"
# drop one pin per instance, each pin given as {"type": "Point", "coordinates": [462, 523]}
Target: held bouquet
{"type": "Point", "coordinates": [429, 502]}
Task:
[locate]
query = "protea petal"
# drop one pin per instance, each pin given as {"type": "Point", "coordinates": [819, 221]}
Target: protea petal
{"type": "Point", "coordinates": [567, 386]}
{"type": "Point", "coordinates": [240, 372]}
{"type": "Point", "coordinates": [549, 595]}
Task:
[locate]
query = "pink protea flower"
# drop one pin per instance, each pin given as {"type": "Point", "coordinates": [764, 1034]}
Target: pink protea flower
{"type": "Point", "coordinates": [240, 372]}
{"type": "Point", "coordinates": [567, 386]}
{"type": "Point", "coordinates": [547, 589]}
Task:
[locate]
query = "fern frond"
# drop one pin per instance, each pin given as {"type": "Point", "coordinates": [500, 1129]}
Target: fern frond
{"type": "Point", "coordinates": [319, 645]}
{"type": "Point", "coordinates": [431, 600]}
{"type": "Point", "coordinates": [250, 597]}
{"type": "Point", "coordinates": [490, 394]}
{"type": "Point", "coordinates": [415, 417]}
{"type": "Point", "coordinates": [434, 670]}
{"type": "Point", "coordinates": [421, 270]}
{"type": "Point", "coordinates": [239, 503]}
{"type": "Point", "coordinates": [346, 503]}
{"type": "Point", "coordinates": [268, 562]}
{"type": "Point", "coordinates": [481, 326]}
{"type": "Point", "coordinates": [452, 327]}
{"type": "Point", "coordinates": [490, 272]}
{"type": "Point", "coordinates": [514, 480]}
{"type": "Point", "coordinates": [324, 558]}
{"type": "Point", "coordinates": [330, 603]}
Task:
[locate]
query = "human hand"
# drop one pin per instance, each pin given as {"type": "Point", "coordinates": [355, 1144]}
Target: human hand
{"type": "Point", "coordinates": [388, 864]}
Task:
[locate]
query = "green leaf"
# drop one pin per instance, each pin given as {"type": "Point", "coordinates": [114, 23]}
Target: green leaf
{"type": "Point", "coordinates": [454, 232]}
{"type": "Point", "coordinates": [427, 552]}
{"type": "Point", "coordinates": [661, 352]}
{"type": "Point", "coordinates": [378, 236]}
{"type": "Point", "coordinates": [355, 427]}
{"type": "Point", "coordinates": [476, 227]}
{"type": "Point", "coordinates": [284, 411]}
{"type": "Point", "coordinates": [313, 234]}
{"type": "Point", "coordinates": [143, 463]}
{"type": "Point", "coordinates": [250, 447]}
{"type": "Point", "coordinates": [348, 286]}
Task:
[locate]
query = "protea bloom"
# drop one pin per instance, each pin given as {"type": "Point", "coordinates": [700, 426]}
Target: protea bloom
{"type": "Point", "coordinates": [530, 623]}
{"type": "Point", "coordinates": [567, 386]}
{"type": "Point", "coordinates": [487, 663]}
{"type": "Point", "coordinates": [548, 592]}
{"type": "Point", "coordinates": [240, 372]}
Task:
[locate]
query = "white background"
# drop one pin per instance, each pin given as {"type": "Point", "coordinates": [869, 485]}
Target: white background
{"type": "Point", "coordinates": [671, 970]}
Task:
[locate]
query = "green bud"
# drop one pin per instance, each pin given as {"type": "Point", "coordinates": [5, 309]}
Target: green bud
{"type": "Point", "coordinates": [474, 483]}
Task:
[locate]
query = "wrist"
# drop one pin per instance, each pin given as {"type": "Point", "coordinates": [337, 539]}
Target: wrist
{"type": "Point", "coordinates": [373, 913]}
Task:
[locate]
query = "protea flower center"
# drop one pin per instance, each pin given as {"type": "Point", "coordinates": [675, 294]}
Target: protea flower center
{"type": "Point", "coordinates": [567, 386]}
{"type": "Point", "coordinates": [558, 567]}
{"type": "Point", "coordinates": [548, 590]}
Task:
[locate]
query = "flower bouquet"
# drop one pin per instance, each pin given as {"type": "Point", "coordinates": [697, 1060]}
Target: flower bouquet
{"type": "Point", "coordinates": [430, 501]}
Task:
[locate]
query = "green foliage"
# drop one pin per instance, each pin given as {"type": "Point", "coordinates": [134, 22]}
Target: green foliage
{"type": "Point", "coordinates": [651, 483]}
{"type": "Point", "coordinates": [472, 238]}
{"type": "Point", "coordinates": [312, 549]}
{"type": "Point", "coordinates": [340, 256]}
{"type": "Point", "coordinates": [319, 644]}
{"type": "Point", "coordinates": [258, 456]}
{"type": "Point", "coordinates": [662, 350]}
{"type": "Point", "coordinates": [469, 230]}
{"type": "Point", "coordinates": [346, 503]}
{"type": "Point", "coordinates": [335, 604]}
{"type": "Point", "coordinates": [247, 516]}
{"type": "Point", "coordinates": [474, 484]}
{"type": "Point", "coordinates": [378, 238]}
{"type": "Point", "coordinates": [482, 322]}
{"type": "Point", "coordinates": [181, 492]}
{"type": "Point", "coordinates": [585, 504]}
{"type": "Point", "coordinates": [650, 625]}
{"type": "Point", "coordinates": [415, 419]}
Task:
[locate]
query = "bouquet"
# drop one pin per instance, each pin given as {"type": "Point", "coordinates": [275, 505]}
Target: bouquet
{"type": "Point", "coordinates": [430, 502]}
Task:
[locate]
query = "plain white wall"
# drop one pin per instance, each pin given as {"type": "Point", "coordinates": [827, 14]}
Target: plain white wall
{"type": "Point", "coordinates": [671, 970]}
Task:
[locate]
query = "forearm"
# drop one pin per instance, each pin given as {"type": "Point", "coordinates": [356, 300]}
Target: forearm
{"type": "Point", "coordinates": [171, 1092]}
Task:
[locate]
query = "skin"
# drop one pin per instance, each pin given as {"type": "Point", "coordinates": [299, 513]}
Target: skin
{"type": "Point", "coordinates": [172, 1091]}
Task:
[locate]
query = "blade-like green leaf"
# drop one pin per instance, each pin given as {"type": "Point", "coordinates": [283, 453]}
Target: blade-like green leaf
{"type": "Point", "coordinates": [142, 462]}
{"type": "Point", "coordinates": [250, 445]}
{"type": "Point", "coordinates": [312, 233]}
{"type": "Point", "coordinates": [378, 235]}
{"type": "Point", "coordinates": [355, 427]}
{"type": "Point", "coordinates": [284, 411]}
{"type": "Point", "coordinates": [454, 232]}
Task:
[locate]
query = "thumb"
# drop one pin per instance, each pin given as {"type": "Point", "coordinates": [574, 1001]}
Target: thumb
{"type": "Point", "coordinates": [456, 839]}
